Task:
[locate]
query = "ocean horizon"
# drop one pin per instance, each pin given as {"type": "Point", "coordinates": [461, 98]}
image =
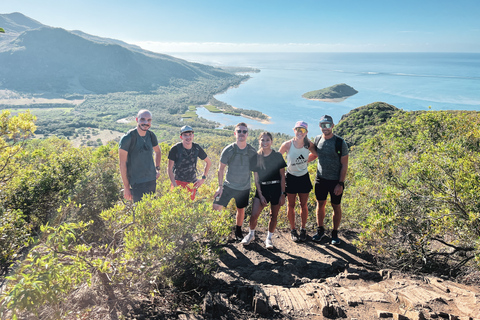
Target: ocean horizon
{"type": "Point", "coordinates": [408, 81]}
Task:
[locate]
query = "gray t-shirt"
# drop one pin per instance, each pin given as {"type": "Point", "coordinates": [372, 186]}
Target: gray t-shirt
{"type": "Point", "coordinates": [329, 164]}
{"type": "Point", "coordinates": [140, 165]}
{"type": "Point", "coordinates": [238, 166]}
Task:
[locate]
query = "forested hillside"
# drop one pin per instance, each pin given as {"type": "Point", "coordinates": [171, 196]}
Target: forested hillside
{"type": "Point", "coordinates": [412, 189]}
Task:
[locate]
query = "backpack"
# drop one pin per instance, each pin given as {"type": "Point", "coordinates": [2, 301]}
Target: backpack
{"type": "Point", "coordinates": [181, 154]}
{"type": "Point", "coordinates": [235, 152]}
{"type": "Point", "coordinates": [133, 140]}
{"type": "Point", "coordinates": [338, 144]}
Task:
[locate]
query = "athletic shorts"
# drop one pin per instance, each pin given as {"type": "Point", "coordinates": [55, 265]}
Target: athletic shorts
{"type": "Point", "coordinates": [296, 184]}
{"type": "Point", "coordinates": [271, 193]}
{"type": "Point", "coordinates": [323, 187]}
{"type": "Point", "coordinates": [240, 196]}
{"type": "Point", "coordinates": [139, 189]}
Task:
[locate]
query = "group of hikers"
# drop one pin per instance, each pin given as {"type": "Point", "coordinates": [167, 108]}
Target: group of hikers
{"type": "Point", "coordinates": [139, 171]}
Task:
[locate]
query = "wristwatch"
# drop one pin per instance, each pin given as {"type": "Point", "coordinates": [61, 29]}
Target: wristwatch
{"type": "Point", "coordinates": [157, 168]}
{"type": "Point", "coordinates": [204, 177]}
{"type": "Point", "coordinates": [341, 183]}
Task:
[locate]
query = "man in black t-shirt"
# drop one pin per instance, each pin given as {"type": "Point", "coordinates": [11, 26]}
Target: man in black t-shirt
{"type": "Point", "coordinates": [182, 162]}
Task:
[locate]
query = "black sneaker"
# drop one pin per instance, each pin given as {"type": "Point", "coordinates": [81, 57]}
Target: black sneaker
{"type": "Point", "coordinates": [303, 235]}
{"type": "Point", "coordinates": [238, 235]}
{"type": "Point", "coordinates": [294, 235]}
{"type": "Point", "coordinates": [319, 235]}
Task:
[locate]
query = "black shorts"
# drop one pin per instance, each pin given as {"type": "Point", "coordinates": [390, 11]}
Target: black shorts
{"type": "Point", "coordinates": [323, 187]}
{"type": "Point", "coordinates": [271, 192]}
{"type": "Point", "coordinates": [296, 184]}
{"type": "Point", "coordinates": [139, 189]}
{"type": "Point", "coordinates": [240, 196]}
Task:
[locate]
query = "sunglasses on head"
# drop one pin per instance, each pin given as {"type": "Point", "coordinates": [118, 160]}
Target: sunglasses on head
{"type": "Point", "coordinates": [242, 131]}
{"type": "Point", "coordinates": [326, 125]}
{"type": "Point", "coordinates": [302, 130]}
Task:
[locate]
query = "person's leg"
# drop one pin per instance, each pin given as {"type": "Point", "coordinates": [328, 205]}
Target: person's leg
{"type": "Point", "coordinates": [320, 212]}
{"type": "Point", "coordinates": [291, 197]}
{"type": "Point", "coordinates": [337, 216]}
{"type": "Point", "coordinates": [272, 224]}
{"type": "Point", "coordinates": [304, 208]}
{"type": "Point", "coordinates": [257, 208]}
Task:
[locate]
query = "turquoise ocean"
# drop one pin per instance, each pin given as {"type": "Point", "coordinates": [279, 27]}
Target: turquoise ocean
{"type": "Point", "coordinates": [409, 81]}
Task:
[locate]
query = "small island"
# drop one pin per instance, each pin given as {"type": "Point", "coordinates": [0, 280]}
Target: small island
{"type": "Point", "coordinates": [335, 93]}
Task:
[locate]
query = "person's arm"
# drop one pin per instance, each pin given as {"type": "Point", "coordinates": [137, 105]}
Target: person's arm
{"type": "Point", "coordinates": [282, 184]}
{"type": "Point", "coordinates": [158, 158]}
{"type": "Point", "coordinates": [285, 147]}
{"type": "Point", "coordinates": [343, 175]}
{"type": "Point", "coordinates": [171, 175]}
{"type": "Point", "coordinates": [256, 177]}
{"type": "Point", "coordinates": [122, 159]}
{"type": "Point", "coordinates": [313, 152]}
{"type": "Point", "coordinates": [221, 172]}
{"type": "Point", "coordinates": [208, 164]}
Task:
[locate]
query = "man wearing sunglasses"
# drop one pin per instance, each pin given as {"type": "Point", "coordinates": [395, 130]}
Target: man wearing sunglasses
{"type": "Point", "coordinates": [139, 173]}
{"type": "Point", "coordinates": [332, 153]}
{"type": "Point", "coordinates": [237, 157]}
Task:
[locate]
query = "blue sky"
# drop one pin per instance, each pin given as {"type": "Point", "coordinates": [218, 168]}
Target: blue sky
{"type": "Point", "coordinates": [269, 25]}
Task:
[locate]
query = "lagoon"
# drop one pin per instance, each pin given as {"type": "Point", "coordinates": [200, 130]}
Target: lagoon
{"type": "Point", "coordinates": [409, 81]}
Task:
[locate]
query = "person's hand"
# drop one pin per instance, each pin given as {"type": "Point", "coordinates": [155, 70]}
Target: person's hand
{"type": "Point", "coordinates": [338, 190]}
{"type": "Point", "coordinates": [198, 183]}
{"type": "Point", "coordinates": [218, 193]}
{"type": "Point", "coordinates": [127, 194]}
{"type": "Point", "coordinates": [263, 201]}
{"type": "Point", "coordinates": [282, 199]}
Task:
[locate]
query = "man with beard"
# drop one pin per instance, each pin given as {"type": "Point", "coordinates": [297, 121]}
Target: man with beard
{"type": "Point", "coordinates": [332, 153]}
{"type": "Point", "coordinates": [136, 161]}
{"type": "Point", "coordinates": [182, 162]}
{"type": "Point", "coordinates": [237, 183]}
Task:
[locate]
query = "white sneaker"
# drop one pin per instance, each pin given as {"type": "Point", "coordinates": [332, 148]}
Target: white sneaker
{"type": "Point", "coordinates": [269, 244]}
{"type": "Point", "coordinates": [248, 239]}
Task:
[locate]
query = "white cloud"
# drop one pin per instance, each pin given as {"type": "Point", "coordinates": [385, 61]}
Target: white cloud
{"type": "Point", "coordinates": [164, 47]}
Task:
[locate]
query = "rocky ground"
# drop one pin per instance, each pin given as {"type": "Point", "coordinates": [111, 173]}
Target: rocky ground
{"type": "Point", "coordinates": [321, 281]}
{"type": "Point", "coordinates": [313, 281]}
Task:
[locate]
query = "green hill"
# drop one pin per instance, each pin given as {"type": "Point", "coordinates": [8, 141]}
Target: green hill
{"type": "Point", "coordinates": [362, 122]}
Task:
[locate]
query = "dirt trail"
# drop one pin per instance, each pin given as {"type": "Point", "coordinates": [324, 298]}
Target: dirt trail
{"type": "Point", "coordinates": [321, 281]}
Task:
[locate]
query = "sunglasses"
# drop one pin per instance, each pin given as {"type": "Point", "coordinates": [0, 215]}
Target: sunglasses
{"type": "Point", "coordinates": [302, 130]}
{"type": "Point", "coordinates": [326, 125]}
{"type": "Point", "coordinates": [242, 131]}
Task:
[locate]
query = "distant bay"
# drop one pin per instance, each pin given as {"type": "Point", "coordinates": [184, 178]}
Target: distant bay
{"type": "Point", "coordinates": [409, 81]}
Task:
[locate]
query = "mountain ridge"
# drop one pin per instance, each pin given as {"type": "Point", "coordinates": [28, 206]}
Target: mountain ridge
{"type": "Point", "coordinates": [54, 60]}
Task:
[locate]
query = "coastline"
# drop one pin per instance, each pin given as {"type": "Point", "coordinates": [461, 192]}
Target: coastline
{"type": "Point", "coordinates": [332, 100]}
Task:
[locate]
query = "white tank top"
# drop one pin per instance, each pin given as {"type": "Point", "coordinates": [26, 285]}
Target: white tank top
{"type": "Point", "coordinates": [297, 160]}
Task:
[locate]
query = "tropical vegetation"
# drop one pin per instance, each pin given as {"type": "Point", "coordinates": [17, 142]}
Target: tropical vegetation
{"type": "Point", "coordinates": [68, 240]}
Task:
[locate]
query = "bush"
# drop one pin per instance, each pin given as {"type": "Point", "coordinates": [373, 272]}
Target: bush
{"type": "Point", "coordinates": [416, 187]}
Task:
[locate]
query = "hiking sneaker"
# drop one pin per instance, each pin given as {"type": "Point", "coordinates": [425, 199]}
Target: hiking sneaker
{"type": "Point", "coordinates": [248, 239]}
{"type": "Point", "coordinates": [319, 235]}
{"type": "Point", "coordinates": [238, 235]}
{"type": "Point", "coordinates": [335, 239]}
{"type": "Point", "coordinates": [303, 235]}
{"type": "Point", "coordinates": [269, 244]}
{"type": "Point", "coordinates": [294, 235]}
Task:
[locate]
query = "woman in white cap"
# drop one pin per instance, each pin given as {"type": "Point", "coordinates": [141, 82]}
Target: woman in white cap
{"type": "Point", "coordinates": [297, 177]}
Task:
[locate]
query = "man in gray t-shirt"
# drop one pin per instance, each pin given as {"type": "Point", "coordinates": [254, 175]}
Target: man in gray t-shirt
{"type": "Point", "coordinates": [332, 153]}
{"type": "Point", "coordinates": [236, 157]}
{"type": "Point", "coordinates": [135, 153]}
